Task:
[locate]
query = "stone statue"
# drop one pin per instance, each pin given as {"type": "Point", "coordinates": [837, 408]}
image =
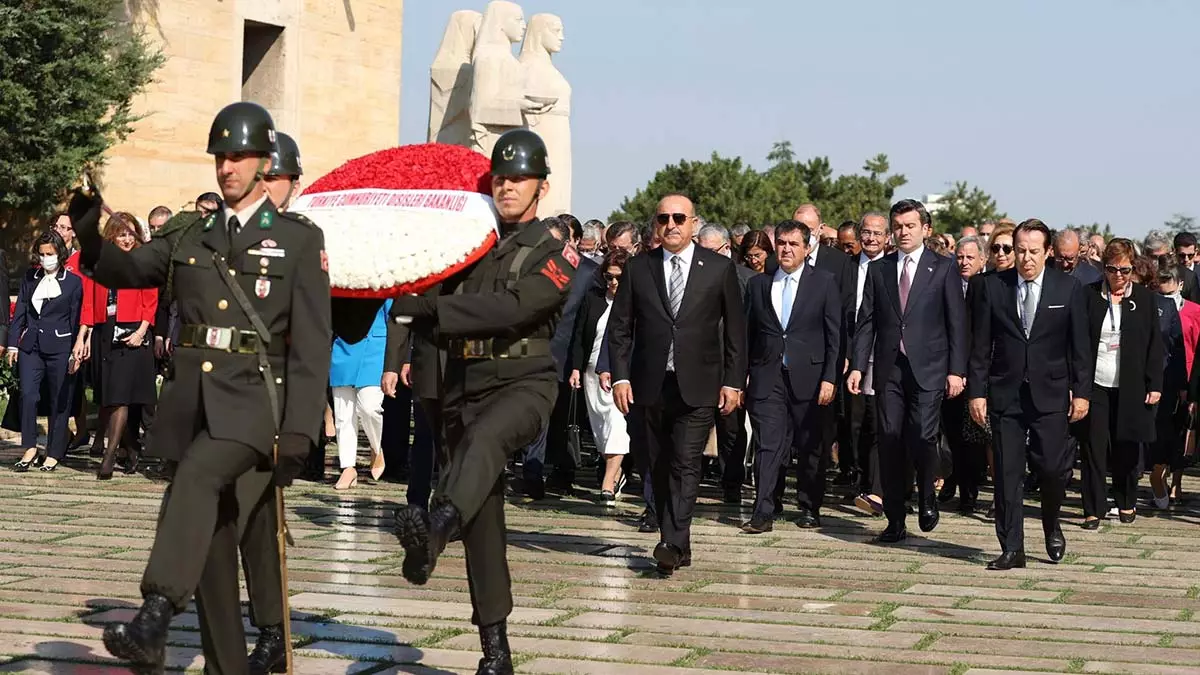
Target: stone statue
{"type": "Point", "coordinates": [544, 83]}
{"type": "Point", "coordinates": [498, 100]}
{"type": "Point", "coordinates": [450, 80]}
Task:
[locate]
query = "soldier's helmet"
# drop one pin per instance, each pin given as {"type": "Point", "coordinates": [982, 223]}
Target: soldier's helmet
{"type": "Point", "coordinates": [242, 127]}
{"type": "Point", "coordinates": [520, 152]}
{"type": "Point", "coordinates": [285, 157]}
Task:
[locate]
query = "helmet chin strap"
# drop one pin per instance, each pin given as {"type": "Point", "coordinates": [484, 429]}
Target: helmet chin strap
{"type": "Point", "coordinates": [287, 200]}
{"type": "Point", "coordinates": [258, 176]}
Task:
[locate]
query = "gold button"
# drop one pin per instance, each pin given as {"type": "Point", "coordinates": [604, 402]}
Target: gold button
{"type": "Point", "coordinates": [263, 271]}
{"type": "Point", "coordinates": [232, 273]}
{"type": "Point", "coordinates": [191, 261]}
{"type": "Point", "coordinates": [206, 366]}
{"type": "Point", "coordinates": [279, 380]}
{"type": "Point", "coordinates": [223, 304]}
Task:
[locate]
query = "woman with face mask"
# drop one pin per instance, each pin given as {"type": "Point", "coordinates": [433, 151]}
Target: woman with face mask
{"type": "Point", "coordinates": [40, 339]}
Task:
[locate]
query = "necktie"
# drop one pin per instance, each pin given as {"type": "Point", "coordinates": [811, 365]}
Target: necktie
{"type": "Point", "coordinates": [786, 310]}
{"type": "Point", "coordinates": [234, 226]}
{"type": "Point", "coordinates": [1029, 307]}
{"type": "Point", "coordinates": [905, 287]}
{"type": "Point", "coordinates": [675, 296]}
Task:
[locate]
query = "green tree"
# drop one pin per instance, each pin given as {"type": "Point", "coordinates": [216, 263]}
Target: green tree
{"type": "Point", "coordinates": [69, 70]}
{"type": "Point", "coordinates": [965, 205]}
{"type": "Point", "coordinates": [1095, 228]}
{"type": "Point", "coordinates": [1180, 222]}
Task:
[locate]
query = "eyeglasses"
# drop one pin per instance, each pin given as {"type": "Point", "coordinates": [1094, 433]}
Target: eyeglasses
{"type": "Point", "coordinates": [868, 234]}
{"type": "Point", "coordinates": [1123, 270]}
{"type": "Point", "coordinates": [997, 248]}
{"type": "Point", "coordinates": [664, 218]}
{"type": "Point", "coordinates": [611, 277]}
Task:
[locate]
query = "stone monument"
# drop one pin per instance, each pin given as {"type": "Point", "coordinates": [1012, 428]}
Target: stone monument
{"type": "Point", "coordinates": [544, 82]}
{"type": "Point", "coordinates": [450, 80]}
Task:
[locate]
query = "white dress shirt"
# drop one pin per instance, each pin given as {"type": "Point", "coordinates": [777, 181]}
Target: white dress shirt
{"type": "Point", "coordinates": [685, 259]}
{"type": "Point", "coordinates": [777, 292]}
{"type": "Point", "coordinates": [915, 256]}
{"type": "Point", "coordinates": [814, 244]}
{"type": "Point", "coordinates": [1024, 289]}
{"type": "Point", "coordinates": [863, 261]}
{"type": "Point", "coordinates": [244, 215]}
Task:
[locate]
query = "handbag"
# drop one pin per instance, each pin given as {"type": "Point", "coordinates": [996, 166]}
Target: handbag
{"type": "Point", "coordinates": [574, 442]}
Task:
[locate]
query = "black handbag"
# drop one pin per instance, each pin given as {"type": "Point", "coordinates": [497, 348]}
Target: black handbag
{"type": "Point", "coordinates": [574, 442]}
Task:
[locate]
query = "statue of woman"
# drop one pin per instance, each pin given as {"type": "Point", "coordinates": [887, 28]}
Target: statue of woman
{"type": "Point", "coordinates": [543, 82]}
{"type": "Point", "coordinates": [450, 80]}
{"type": "Point", "coordinates": [498, 100]}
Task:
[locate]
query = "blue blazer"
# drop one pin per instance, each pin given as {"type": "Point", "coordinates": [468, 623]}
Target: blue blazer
{"type": "Point", "coordinates": [53, 330]}
{"type": "Point", "coordinates": [361, 364]}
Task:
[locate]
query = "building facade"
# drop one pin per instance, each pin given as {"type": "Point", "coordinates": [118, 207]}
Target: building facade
{"type": "Point", "coordinates": [327, 70]}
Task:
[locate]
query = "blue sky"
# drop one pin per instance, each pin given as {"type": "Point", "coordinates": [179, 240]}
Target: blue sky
{"type": "Point", "coordinates": [1071, 111]}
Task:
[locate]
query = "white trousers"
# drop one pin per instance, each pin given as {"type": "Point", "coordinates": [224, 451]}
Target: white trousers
{"type": "Point", "coordinates": [353, 406]}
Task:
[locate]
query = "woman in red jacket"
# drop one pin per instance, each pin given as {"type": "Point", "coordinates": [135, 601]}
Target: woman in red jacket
{"type": "Point", "coordinates": [122, 352]}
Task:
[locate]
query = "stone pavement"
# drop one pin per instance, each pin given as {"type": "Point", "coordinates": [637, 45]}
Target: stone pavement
{"type": "Point", "coordinates": [1125, 601]}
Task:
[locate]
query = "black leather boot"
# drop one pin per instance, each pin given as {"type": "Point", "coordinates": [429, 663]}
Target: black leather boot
{"type": "Point", "coordinates": [497, 658]}
{"type": "Point", "coordinates": [424, 535]}
{"type": "Point", "coordinates": [143, 641]}
{"type": "Point", "coordinates": [270, 652]}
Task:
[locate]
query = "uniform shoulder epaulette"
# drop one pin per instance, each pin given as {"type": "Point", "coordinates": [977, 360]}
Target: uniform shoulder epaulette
{"type": "Point", "coordinates": [179, 221]}
{"type": "Point", "coordinates": [298, 217]}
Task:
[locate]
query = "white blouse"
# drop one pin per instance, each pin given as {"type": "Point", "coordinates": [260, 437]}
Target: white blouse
{"type": "Point", "coordinates": [1108, 356]}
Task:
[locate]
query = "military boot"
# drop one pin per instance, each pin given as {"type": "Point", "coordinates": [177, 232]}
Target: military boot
{"type": "Point", "coordinates": [143, 641]}
{"type": "Point", "coordinates": [424, 535]}
{"type": "Point", "coordinates": [497, 658]}
{"type": "Point", "coordinates": [270, 652]}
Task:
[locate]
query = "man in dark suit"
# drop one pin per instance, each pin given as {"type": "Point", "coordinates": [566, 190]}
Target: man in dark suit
{"type": "Point", "coordinates": [1031, 371]}
{"type": "Point", "coordinates": [1185, 250]}
{"type": "Point", "coordinates": [670, 370]}
{"type": "Point", "coordinates": [913, 320]}
{"type": "Point", "coordinates": [1069, 257]}
{"type": "Point", "coordinates": [793, 347]}
{"type": "Point", "coordinates": [732, 437]}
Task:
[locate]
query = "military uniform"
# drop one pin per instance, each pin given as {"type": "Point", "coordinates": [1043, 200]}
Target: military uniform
{"type": "Point", "coordinates": [215, 417]}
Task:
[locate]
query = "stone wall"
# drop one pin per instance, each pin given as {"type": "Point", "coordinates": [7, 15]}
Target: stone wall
{"type": "Point", "coordinates": [332, 81]}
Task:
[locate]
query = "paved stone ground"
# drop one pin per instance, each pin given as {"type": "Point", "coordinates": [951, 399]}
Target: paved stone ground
{"type": "Point", "coordinates": [1125, 601]}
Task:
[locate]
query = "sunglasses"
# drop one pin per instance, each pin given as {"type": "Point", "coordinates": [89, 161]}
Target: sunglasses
{"type": "Point", "coordinates": [1184, 257]}
{"type": "Point", "coordinates": [664, 218]}
{"type": "Point", "coordinates": [1123, 270]}
{"type": "Point", "coordinates": [997, 248]}
{"type": "Point", "coordinates": [612, 277]}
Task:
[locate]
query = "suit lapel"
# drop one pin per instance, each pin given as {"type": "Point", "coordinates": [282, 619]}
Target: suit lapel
{"type": "Point", "coordinates": [805, 279]}
{"type": "Point", "coordinates": [1009, 301]}
{"type": "Point", "coordinates": [257, 229]}
{"type": "Point", "coordinates": [1048, 286]}
{"type": "Point", "coordinates": [694, 269]}
{"type": "Point", "coordinates": [769, 303]}
{"type": "Point", "coordinates": [891, 282]}
{"type": "Point", "coordinates": [922, 271]}
{"type": "Point", "coordinates": [655, 261]}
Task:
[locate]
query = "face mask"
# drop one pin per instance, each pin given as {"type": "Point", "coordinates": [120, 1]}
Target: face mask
{"type": "Point", "coordinates": [593, 256]}
{"type": "Point", "coordinates": [50, 263]}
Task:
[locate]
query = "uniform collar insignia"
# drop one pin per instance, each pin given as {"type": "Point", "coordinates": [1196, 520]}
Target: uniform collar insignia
{"type": "Point", "coordinates": [266, 219]}
{"type": "Point", "coordinates": [208, 224]}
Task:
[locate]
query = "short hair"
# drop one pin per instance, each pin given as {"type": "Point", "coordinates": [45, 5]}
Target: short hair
{"type": "Point", "coordinates": [55, 239]}
{"type": "Point", "coordinates": [1185, 239]}
{"type": "Point", "coordinates": [159, 212]}
{"type": "Point", "coordinates": [739, 230]}
{"type": "Point", "coordinates": [593, 229]}
{"type": "Point", "coordinates": [848, 226]}
{"type": "Point", "coordinates": [647, 235]}
{"type": "Point", "coordinates": [713, 230]}
{"type": "Point", "coordinates": [863, 219]}
{"type": "Point", "coordinates": [1156, 240]}
{"type": "Point", "coordinates": [1145, 270]}
{"type": "Point", "coordinates": [1168, 270]}
{"type": "Point", "coordinates": [616, 257]}
{"type": "Point", "coordinates": [1119, 247]}
{"type": "Point", "coordinates": [556, 224]}
{"type": "Point", "coordinates": [1067, 233]}
{"type": "Point", "coordinates": [908, 206]}
{"type": "Point", "coordinates": [574, 228]}
{"type": "Point", "coordinates": [757, 239]}
{"type": "Point", "coordinates": [209, 197]}
{"type": "Point", "coordinates": [619, 228]}
{"type": "Point", "coordinates": [793, 226]}
{"type": "Point", "coordinates": [937, 245]}
{"type": "Point", "coordinates": [1031, 225]}
{"type": "Point", "coordinates": [971, 239]}
{"type": "Point", "coordinates": [122, 220]}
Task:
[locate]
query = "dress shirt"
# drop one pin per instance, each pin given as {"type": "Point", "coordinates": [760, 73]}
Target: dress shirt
{"type": "Point", "coordinates": [685, 262]}
{"type": "Point", "coordinates": [1023, 289]}
{"type": "Point", "coordinates": [243, 216]}
{"type": "Point", "coordinates": [46, 289]}
{"type": "Point", "coordinates": [966, 281]}
{"type": "Point", "coordinates": [814, 244]}
{"type": "Point", "coordinates": [863, 261]}
{"type": "Point", "coordinates": [777, 292]}
{"type": "Point", "coordinates": [1108, 354]}
{"type": "Point", "coordinates": [915, 256]}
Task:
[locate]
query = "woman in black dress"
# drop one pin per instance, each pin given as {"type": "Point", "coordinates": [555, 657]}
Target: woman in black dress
{"type": "Point", "coordinates": [122, 351]}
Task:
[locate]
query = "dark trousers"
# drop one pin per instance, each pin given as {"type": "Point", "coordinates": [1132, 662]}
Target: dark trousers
{"type": "Point", "coordinates": [259, 547]}
{"type": "Point", "coordinates": [1102, 452]}
{"type": "Point", "coordinates": [426, 446]}
{"type": "Point", "coordinates": [32, 367]}
{"type": "Point", "coordinates": [551, 444]}
{"type": "Point", "coordinates": [639, 459]}
{"type": "Point", "coordinates": [217, 601]}
{"type": "Point", "coordinates": [785, 422]}
{"type": "Point", "coordinates": [732, 440]}
{"type": "Point", "coordinates": [480, 437]}
{"type": "Point", "coordinates": [858, 445]}
{"type": "Point", "coordinates": [675, 435]}
{"type": "Point", "coordinates": [397, 427]}
{"type": "Point", "coordinates": [909, 423]}
{"type": "Point", "coordinates": [1047, 434]}
{"type": "Point", "coordinates": [967, 459]}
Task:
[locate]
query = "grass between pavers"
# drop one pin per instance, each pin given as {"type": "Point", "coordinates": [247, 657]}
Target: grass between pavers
{"type": "Point", "coordinates": [1064, 596]}
{"type": "Point", "coordinates": [1075, 666]}
{"type": "Point", "coordinates": [1185, 614]}
{"type": "Point", "coordinates": [884, 614]}
{"type": "Point", "coordinates": [962, 602]}
{"type": "Point", "coordinates": [1166, 640]}
{"type": "Point", "coordinates": [438, 635]}
{"type": "Point", "coordinates": [689, 659]}
{"type": "Point", "coordinates": [958, 668]}
{"type": "Point", "coordinates": [1193, 592]}
{"type": "Point", "coordinates": [926, 641]}
{"type": "Point", "coordinates": [563, 618]}
{"type": "Point", "coordinates": [619, 635]}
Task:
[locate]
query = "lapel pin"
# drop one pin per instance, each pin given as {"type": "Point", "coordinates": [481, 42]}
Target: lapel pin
{"type": "Point", "coordinates": [700, 263]}
{"type": "Point", "coordinates": [1132, 306]}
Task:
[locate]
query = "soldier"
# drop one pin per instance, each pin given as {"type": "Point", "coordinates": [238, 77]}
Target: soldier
{"type": "Point", "coordinates": [495, 321]}
{"type": "Point", "coordinates": [253, 297]}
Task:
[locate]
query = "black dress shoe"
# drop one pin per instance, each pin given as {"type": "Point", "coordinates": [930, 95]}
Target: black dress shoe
{"type": "Point", "coordinates": [1056, 545]}
{"type": "Point", "coordinates": [967, 505]}
{"type": "Point", "coordinates": [1093, 524]}
{"type": "Point", "coordinates": [929, 516]}
{"type": "Point", "coordinates": [648, 523]}
{"type": "Point", "coordinates": [949, 487]}
{"type": "Point", "coordinates": [497, 657]}
{"type": "Point", "coordinates": [732, 496]}
{"type": "Point", "coordinates": [808, 520]}
{"type": "Point", "coordinates": [270, 652]}
{"type": "Point", "coordinates": [758, 525]}
{"type": "Point", "coordinates": [893, 533]}
{"type": "Point", "coordinates": [668, 556]}
{"type": "Point", "coordinates": [844, 479]}
{"type": "Point", "coordinates": [142, 641]}
{"type": "Point", "coordinates": [535, 488]}
{"type": "Point", "coordinates": [1008, 560]}
{"type": "Point", "coordinates": [778, 507]}
{"type": "Point", "coordinates": [424, 535]}
{"type": "Point", "coordinates": [1127, 517]}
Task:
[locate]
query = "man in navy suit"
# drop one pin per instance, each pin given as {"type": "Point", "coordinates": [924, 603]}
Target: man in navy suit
{"type": "Point", "coordinates": [794, 325]}
{"type": "Point", "coordinates": [1031, 371]}
{"type": "Point", "coordinates": [913, 319]}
